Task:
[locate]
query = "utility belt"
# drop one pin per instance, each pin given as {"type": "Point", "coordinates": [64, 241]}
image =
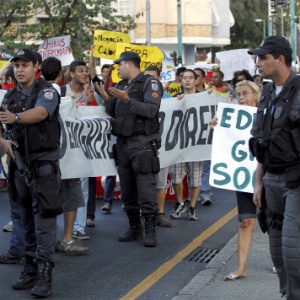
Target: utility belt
{"type": "Point", "coordinates": [131, 127]}
{"type": "Point", "coordinates": [43, 167]}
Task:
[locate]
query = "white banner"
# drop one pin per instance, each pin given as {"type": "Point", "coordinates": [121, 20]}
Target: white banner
{"type": "Point", "coordinates": [232, 165]}
{"type": "Point", "coordinates": [86, 148]}
{"type": "Point", "coordinates": [58, 47]}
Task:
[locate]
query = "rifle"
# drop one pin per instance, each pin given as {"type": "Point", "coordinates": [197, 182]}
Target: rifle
{"type": "Point", "coordinates": [21, 166]}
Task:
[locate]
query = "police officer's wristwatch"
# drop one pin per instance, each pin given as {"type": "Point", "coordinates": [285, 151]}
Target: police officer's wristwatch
{"type": "Point", "coordinates": [18, 119]}
{"type": "Point", "coordinates": [127, 100]}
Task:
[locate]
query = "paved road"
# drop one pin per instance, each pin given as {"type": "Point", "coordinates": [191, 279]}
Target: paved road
{"type": "Point", "coordinates": [113, 270]}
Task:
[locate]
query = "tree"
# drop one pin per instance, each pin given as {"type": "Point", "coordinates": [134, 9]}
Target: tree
{"type": "Point", "coordinates": [246, 33]}
{"type": "Point", "coordinates": [78, 18]}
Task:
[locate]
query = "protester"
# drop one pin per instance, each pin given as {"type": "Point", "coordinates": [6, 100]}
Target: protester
{"type": "Point", "coordinates": [275, 144]}
{"type": "Point", "coordinates": [192, 169]}
{"type": "Point", "coordinates": [162, 176]}
{"type": "Point", "coordinates": [70, 192]}
{"type": "Point", "coordinates": [247, 93]}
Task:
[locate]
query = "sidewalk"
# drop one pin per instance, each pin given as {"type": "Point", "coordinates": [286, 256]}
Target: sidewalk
{"type": "Point", "coordinates": [260, 282]}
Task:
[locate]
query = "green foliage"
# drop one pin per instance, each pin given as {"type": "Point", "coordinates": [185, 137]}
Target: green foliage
{"type": "Point", "coordinates": [246, 33]}
{"type": "Point", "coordinates": [77, 18]}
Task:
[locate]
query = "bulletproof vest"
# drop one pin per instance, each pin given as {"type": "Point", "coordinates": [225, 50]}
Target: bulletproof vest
{"type": "Point", "coordinates": [127, 123]}
{"type": "Point", "coordinates": [277, 145]}
{"type": "Point", "coordinates": [33, 138]}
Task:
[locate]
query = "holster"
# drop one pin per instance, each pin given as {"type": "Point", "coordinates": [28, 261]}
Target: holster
{"type": "Point", "coordinates": [262, 214]}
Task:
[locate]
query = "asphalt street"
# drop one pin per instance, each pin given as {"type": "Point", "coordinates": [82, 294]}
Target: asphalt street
{"type": "Point", "coordinates": [114, 270]}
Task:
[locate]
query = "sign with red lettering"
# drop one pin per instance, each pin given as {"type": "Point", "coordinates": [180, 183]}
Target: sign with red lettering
{"type": "Point", "coordinates": [58, 47]}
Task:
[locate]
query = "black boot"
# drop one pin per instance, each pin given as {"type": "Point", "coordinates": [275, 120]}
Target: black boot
{"type": "Point", "coordinates": [135, 231]}
{"type": "Point", "coordinates": [28, 277]}
{"type": "Point", "coordinates": [150, 235]}
{"type": "Point", "coordinates": [42, 287]}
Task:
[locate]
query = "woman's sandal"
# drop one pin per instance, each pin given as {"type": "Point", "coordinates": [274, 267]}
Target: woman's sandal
{"type": "Point", "coordinates": [232, 276]}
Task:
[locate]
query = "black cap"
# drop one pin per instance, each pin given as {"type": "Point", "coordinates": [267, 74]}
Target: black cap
{"type": "Point", "coordinates": [273, 43]}
{"type": "Point", "coordinates": [26, 55]}
{"type": "Point", "coordinates": [38, 56]}
{"type": "Point", "coordinates": [128, 56]}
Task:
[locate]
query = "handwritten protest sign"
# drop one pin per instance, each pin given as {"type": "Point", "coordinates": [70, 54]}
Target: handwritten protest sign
{"type": "Point", "coordinates": [174, 88]}
{"type": "Point", "coordinates": [3, 63]}
{"type": "Point", "coordinates": [58, 47]}
{"type": "Point", "coordinates": [235, 60]}
{"type": "Point", "coordinates": [150, 56]}
{"type": "Point", "coordinates": [106, 42]}
{"type": "Point", "coordinates": [167, 73]}
{"type": "Point", "coordinates": [232, 165]}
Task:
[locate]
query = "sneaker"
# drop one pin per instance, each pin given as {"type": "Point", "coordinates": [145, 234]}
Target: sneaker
{"type": "Point", "coordinates": [192, 214]}
{"type": "Point", "coordinates": [81, 235]}
{"type": "Point", "coordinates": [73, 246]}
{"type": "Point", "coordinates": [9, 227]}
{"type": "Point", "coordinates": [178, 210]}
{"type": "Point", "coordinates": [106, 207]}
{"type": "Point", "coordinates": [206, 200]}
{"type": "Point", "coordinates": [90, 223]}
{"type": "Point", "coordinates": [7, 258]}
{"type": "Point", "coordinates": [161, 220]}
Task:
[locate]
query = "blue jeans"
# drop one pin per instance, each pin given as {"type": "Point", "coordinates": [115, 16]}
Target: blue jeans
{"type": "Point", "coordinates": [205, 187]}
{"type": "Point", "coordinates": [109, 189]}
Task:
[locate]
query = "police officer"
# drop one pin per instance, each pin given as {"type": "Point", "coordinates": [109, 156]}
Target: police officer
{"type": "Point", "coordinates": [275, 144]}
{"type": "Point", "coordinates": [134, 108]}
{"type": "Point", "coordinates": [30, 112]}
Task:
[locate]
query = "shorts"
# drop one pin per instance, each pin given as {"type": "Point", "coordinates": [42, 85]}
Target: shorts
{"type": "Point", "coordinates": [246, 207]}
{"type": "Point", "coordinates": [193, 169]}
{"type": "Point", "coordinates": [161, 178]}
{"type": "Point", "coordinates": [71, 194]}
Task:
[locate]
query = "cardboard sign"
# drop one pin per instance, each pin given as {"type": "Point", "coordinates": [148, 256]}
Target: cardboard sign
{"type": "Point", "coordinates": [150, 56]}
{"type": "Point", "coordinates": [232, 165]}
{"type": "Point", "coordinates": [106, 42]}
{"type": "Point", "coordinates": [235, 60]}
{"type": "Point", "coordinates": [167, 73]}
{"type": "Point", "coordinates": [58, 47]}
{"type": "Point", "coordinates": [174, 88]}
{"type": "Point", "coordinates": [3, 63]}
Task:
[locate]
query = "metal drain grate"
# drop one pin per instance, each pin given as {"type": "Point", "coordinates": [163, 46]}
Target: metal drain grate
{"type": "Point", "coordinates": [201, 255]}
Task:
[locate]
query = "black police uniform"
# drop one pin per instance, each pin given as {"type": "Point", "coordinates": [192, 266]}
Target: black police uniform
{"type": "Point", "coordinates": [276, 145]}
{"type": "Point", "coordinates": [39, 197]}
{"type": "Point", "coordinates": [135, 122]}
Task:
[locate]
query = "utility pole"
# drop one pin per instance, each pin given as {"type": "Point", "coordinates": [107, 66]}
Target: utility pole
{"type": "Point", "coordinates": [148, 23]}
{"type": "Point", "coordinates": [293, 28]}
{"type": "Point", "coordinates": [179, 31]}
{"type": "Point", "coordinates": [270, 27]}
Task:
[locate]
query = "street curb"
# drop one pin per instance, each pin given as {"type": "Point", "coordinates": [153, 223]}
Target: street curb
{"type": "Point", "coordinates": [211, 270]}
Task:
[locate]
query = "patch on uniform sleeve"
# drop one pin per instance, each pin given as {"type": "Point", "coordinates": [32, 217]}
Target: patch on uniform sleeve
{"type": "Point", "coordinates": [49, 95]}
{"type": "Point", "coordinates": [154, 86]}
{"type": "Point", "coordinates": [154, 95]}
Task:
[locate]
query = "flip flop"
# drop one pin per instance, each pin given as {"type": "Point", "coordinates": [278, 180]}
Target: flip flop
{"type": "Point", "coordinates": [232, 277]}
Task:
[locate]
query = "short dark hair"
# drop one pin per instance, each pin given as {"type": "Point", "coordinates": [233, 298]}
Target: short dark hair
{"type": "Point", "coordinates": [51, 67]}
{"type": "Point", "coordinates": [136, 63]}
{"type": "Point", "coordinates": [10, 73]}
{"type": "Point", "coordinates": [153, 68]}
{"type": "Point", "coordinates": [75, 63]}
{"type": "Point", "coordinates": [104, 67]}
{"type": "Point", "coordinates": [192, 71]}
{"type": "Point", "coordinates": [288, 58]}
{"type": "Point", "coordinates": [220, 72]}
{"type": "Point", "coordinates": [201, 70]}
{"type": "Point", "coordinates": [180, 70]}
